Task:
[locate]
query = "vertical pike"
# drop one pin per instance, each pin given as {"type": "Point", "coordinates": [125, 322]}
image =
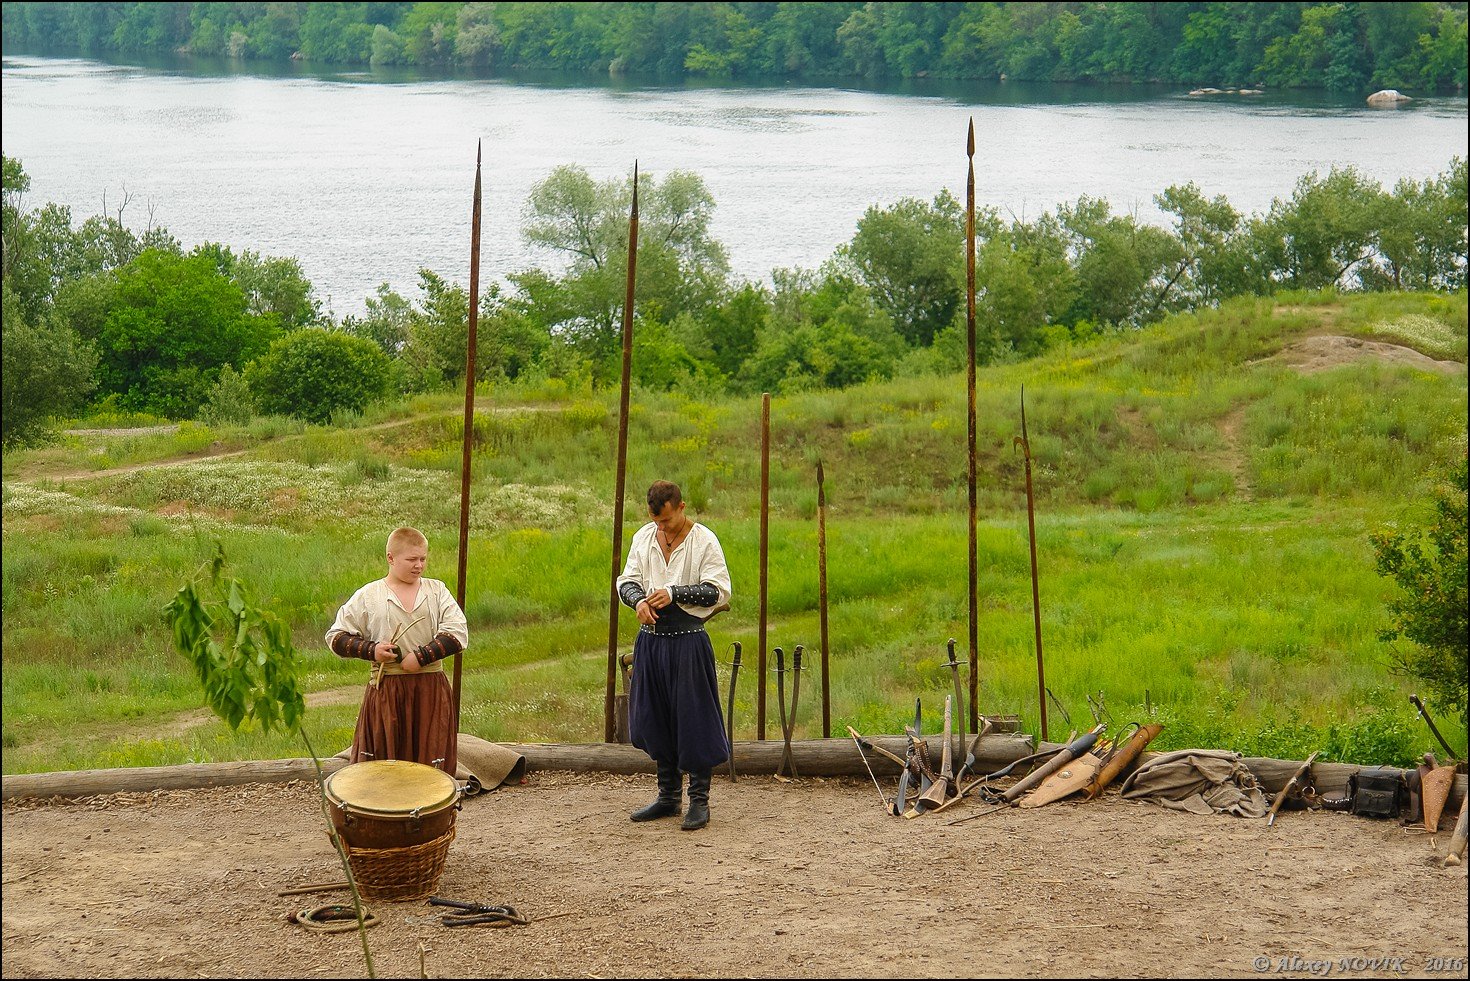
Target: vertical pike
{"type": "Point", "coordinates": [622, 468]}
{"type": "Point", "coordinates": [1025, 444]}
{"type": "Point", "coordinates": [970, 378]}
{"type": "Point", "coordinates": [469, 421]}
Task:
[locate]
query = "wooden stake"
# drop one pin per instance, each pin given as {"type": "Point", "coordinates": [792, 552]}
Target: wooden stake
{"type": "Point", "coordinates": [760, 711]}
{"type": "Point", "coordinates": [822, 598]}
{"type": "Point", "coordinates": [622, 470]}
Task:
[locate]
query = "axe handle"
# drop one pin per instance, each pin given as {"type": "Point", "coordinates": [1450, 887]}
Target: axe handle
{"type": "Point", "coordinates": [946, 764]}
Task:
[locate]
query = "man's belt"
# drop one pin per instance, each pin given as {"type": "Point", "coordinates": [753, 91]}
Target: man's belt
{"type": "Point", "coordinates": [690, 626]}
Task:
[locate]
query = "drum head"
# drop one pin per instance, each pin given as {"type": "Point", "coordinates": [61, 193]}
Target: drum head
{"type": "Point", "coordinates": [392, 787]}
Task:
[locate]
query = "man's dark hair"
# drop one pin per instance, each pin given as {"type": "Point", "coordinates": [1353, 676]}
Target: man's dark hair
{"type": "Point", "coordinates": [663, 492]}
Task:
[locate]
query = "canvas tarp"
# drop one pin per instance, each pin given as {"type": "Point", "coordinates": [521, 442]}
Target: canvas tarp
{"type": "Point", "coordinates": [1200, 781]}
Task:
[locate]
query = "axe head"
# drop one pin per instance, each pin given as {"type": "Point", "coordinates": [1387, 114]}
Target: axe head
{"type": "Point", "coordinates": [937, 793]}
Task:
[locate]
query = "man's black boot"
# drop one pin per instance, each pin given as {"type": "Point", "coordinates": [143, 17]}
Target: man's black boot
{"type": "Point", "coordinates": [698, 815]}
{"type": "Point", "coordinates": [670, 795]}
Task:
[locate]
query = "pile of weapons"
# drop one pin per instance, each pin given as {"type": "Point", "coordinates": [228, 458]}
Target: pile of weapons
{"type": "Point", "coordinates": [1087, 765]}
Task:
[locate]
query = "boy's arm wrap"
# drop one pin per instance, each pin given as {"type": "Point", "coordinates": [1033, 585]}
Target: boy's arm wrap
{"type": "Point", "coordinates": [438, 649]}
{"type": "Point", "coordinates": [351, 645]}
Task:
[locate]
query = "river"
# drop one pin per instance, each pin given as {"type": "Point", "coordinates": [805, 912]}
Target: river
{"type": "Point", "coordinates": [366, 177]}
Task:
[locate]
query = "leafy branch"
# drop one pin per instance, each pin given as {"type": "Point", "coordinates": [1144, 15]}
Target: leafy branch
{"type": "Point", "coordinates": [250, 671]}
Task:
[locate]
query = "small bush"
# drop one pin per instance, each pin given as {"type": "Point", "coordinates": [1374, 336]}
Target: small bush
{"type": "Point", "coordinates": [229, 402]}
{"type": "Point", "coordinates": [313, 373]}
{"type": "Point", "coordinates": [1430, 609]}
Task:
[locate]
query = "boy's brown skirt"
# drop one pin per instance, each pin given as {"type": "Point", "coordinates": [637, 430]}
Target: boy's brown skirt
{"type": "Point", "coordinates": [407, 717]}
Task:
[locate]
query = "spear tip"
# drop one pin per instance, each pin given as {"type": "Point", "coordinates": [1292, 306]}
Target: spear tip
{"type": "Point", "coordinates": [970, 143]}
{"type": "Point", "coordinates": [478, 145]}
{"type": "Point", "coordinates": [635, 187]}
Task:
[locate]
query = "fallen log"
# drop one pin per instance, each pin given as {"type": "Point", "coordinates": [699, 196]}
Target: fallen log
{"type": "Point", "coordinates": [815, 757]}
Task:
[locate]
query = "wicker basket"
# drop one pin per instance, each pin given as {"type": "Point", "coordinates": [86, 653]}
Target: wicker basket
{"type": "Point", "coordinates": [407, 873]}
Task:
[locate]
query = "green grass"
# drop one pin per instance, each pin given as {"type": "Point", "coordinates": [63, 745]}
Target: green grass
{"type": "Point", "coordinates": [1203, 522]}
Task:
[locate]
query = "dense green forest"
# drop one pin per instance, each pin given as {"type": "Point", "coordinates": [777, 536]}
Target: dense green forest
{"type": "Point", "coordinates": [1343, 47]}
{"type": "Point", "coordinates": [98, 314]}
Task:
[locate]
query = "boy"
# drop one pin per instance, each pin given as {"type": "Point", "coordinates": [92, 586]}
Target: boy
{"type": "Point", "coordinates": [406, 625]}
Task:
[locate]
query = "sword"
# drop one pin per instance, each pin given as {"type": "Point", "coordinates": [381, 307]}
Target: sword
{"type": "Point", "coordinates": [730, 710]}
{"type": "Point", "coordinates": [781, 703]}
{"type": "Point", "coordinates": [1424, 712]}
{"type": "Point", "coordinates": [959, 701]}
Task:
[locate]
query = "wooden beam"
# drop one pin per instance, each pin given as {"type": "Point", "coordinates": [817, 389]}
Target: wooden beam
{"type": "Point", "coordinates": [816, 757]}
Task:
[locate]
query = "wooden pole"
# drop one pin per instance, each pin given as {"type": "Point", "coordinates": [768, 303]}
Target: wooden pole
{"type": "Point", "coordinates": [469, 421]}
{"type": "Point", "coordinates": [1025, 444]}
{"type": "Point", "coordinates": [760, 709]}
{"type": "Point", "coordinates": [608, 734]}
{"type": "Point", "coordinates": [970, 378]}
{"type": "Point", "coordinates": [822, 599]}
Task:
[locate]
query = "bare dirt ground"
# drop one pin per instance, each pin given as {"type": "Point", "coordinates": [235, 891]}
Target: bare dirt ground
{"type": "Point", "coordinates": [806, 879]}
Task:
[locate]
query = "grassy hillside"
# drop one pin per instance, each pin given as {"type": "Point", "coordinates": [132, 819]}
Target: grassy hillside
{"type": "Point", "coordinates": [1205, 493]}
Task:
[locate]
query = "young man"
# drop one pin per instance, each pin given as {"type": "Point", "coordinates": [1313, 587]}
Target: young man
{"type": "Point", "coordinates": [406, 625]}
{"type": "Point", "coordinates": [675, 580]}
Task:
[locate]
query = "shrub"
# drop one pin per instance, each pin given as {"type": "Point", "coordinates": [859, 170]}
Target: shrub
{"type": "Point", "coordinates": [229, 402]}
{"type": "Point", "coordinates": [314, 372]}
{"type": "Point", "coordinates": [1430, 610]}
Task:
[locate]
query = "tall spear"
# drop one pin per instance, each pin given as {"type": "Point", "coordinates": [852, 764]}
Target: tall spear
{"type": "Point", "coordinates": [469, 419]}
{"type": "Point", "coordinates": [1025, 444]}
{"type": "Point", "coordinates": [970, 378]}
{"type": "Point", "coordinates": [617, 536]}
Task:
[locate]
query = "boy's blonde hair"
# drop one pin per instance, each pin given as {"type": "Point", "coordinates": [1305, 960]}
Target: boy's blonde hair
{"type": "Point", "coordinates": [406, 538]}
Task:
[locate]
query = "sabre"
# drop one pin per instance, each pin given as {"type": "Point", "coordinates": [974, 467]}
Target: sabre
{"type": "Point", "coordinates": [730, 709]}
{"type": "Point", "coordinates": [1424, 713]}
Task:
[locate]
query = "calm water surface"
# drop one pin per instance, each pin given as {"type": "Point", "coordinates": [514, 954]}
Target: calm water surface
{"type": "Point", "coordinates": [365, 180]}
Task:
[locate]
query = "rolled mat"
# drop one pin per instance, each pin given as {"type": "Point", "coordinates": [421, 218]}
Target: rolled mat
{"type": "Point", "coordinates": [483, 765]}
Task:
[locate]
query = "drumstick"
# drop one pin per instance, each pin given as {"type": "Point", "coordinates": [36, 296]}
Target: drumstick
{"type": "Point", "coordinates": [402, 629]}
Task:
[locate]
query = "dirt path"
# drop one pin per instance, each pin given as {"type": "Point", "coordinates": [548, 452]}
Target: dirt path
{"type": "Point", "coordinates": [808, 879]}
{"type": "Point", "coordinates": [212, 454]}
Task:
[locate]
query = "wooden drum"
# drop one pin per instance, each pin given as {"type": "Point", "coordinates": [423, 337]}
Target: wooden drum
{"type": "Point", "coordinates": [391, 803]}
{"type": "Point", "coordinates": [396, 821]}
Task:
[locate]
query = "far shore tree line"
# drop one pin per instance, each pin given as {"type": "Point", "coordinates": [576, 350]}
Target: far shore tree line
{"type": "Point", "coordinates": [1343, 46]}
{"type": "Point", "coordinates": [103, 318]}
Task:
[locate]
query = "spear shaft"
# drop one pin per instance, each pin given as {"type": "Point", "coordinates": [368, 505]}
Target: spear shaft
{"type": "Point", "coordinates": [622, 468]}
{"type": "Point", "coordinates": [970, 379]}
{"type": "Point", "coordinates": [469, 421]}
